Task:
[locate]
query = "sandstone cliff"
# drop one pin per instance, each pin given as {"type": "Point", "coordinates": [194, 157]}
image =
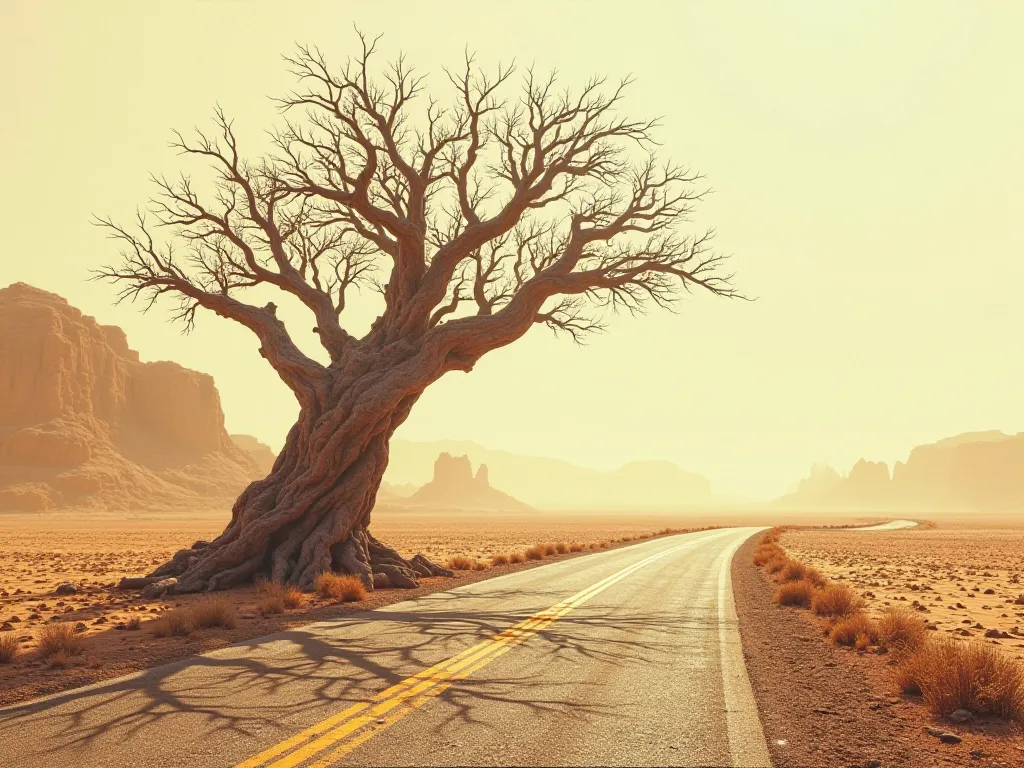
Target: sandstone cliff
{"type": "Point", "coordinates": [259, 452]}
{"type": "Point", "coordinates": [84, 423]}
{"type": "Point", "coordinates": [455, 487]}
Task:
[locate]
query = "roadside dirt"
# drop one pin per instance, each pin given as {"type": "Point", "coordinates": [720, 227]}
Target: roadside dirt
{"type": "Point", "coordinates": [825, 706]}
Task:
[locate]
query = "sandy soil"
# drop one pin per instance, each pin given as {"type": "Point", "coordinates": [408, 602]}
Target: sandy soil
{"type": "Point", "coordinates": [964, 581]}
{"type": "Point", "coordinates": [822, 705]}
{"type": "Point", "coordinates": [40, 552]}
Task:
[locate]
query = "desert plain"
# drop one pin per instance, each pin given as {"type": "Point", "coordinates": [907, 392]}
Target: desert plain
{"type": "Point", "coordinates": [964, 579]}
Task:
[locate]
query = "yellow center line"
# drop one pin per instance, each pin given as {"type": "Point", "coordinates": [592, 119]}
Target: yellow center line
{"type": "Point", "coordinates": [415, 691]}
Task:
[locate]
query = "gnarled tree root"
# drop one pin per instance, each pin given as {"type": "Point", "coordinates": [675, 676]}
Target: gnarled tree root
{"type": "Point", "coordinates": [360, 554]}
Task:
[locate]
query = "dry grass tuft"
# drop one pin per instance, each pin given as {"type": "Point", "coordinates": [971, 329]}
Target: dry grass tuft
{"type": "Point", "coordinates": [59, 637]}
{"type": "Point", "coordinates": [776, 564]}
{"type": "Point", "coordinates": [952, 675]}
{"type": "Point", "coordinates": [214, 612]}
{"type": "Point", "coordinates": [766, 553]}
{"type": "Point", "coordinates": [344, 587]}
{"type": "Point", "coordinates": [500, 560]}
{"type": "Point", "coordinates": [856, 630]}
{"type": "Point", "coordinates": [835, 600]}
{"type": "Point", "coordinates": [8, 647]}
{"type": "Point", "coordinates": [549, 549]}
{"type": "Point", "coordinates": [900, 631]}
{"type": "Point", "coordinates": [177, 622]}
{"type": "Point", "coordinates": [798, 593]}
{"type": "Point", "coordinates": [60, 660]}
{"type": "Point", "coordinates": [288, 595]}
{"type": "Point", "coordinates": [461, 563]}
{"type": "Point", "coordinates": [270, 604]}
{"type": "Point", "coordinates": [794, 570]}
{"type": "Point", "coordinates": [134, 623]}
{"type": "Point", "coordinates": [816, 577]}
{"type": "Point", "coordinates": [562, 547]}
{"type": "Point", "coordinates": [516, 557]}
{"type": "Point", "coordinates": [535, 552]}
{"type": "Point", "coordinates": [576, 547]}
{"type": "Point", "coordinates": [604, 544]}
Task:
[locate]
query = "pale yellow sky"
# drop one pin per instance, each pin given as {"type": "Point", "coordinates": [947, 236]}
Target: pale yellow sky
{"type": "Point", "coordinates": [866, 158]}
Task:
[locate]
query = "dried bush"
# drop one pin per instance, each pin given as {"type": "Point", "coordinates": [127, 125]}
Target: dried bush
{"type": "Point", "coordinates": [500, 560]}
{"type": "Point", "coordinates": [535, 552]}
{"type": "Point", "coordinates": [900, 631]}
{"type": "Point", "coordinates": [461, 563]}
{"type": "Point", "coordinates": [59, 637]}
{"type": "Point", "coordinates": [549, 549]}
{"type": "Point", "coordinates": [344, 587]}
{"type": "Point", "coordinates": [214, 612]}
{"type": "Point", "coordinates": [134, 623]}
{"type": "Point", "coordinates": [576, 547]}
{"type": "Point", "coordinates": [8, 647]}
{"type": "Point", "coordinates": [855, 630]}
{"type": "Point", "coordinates": [516, 557]}
{"type": "Point", "coordinates": [270, 604]}
{"type": "Point", "coordinates": [796, 593]}
{"type": "Point", "coordinates": [562, 547]}
{"type": "Point", "coordinates": [177, 622]}
{"type": "Point", "coordinates": [835, 600]}
{"type": "Point", "coordinates": [794, 570]}
{"type": "Point", "coordinates": [952, 675]}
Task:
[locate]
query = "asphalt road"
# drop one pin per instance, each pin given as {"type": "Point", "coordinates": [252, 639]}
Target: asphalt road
{"type": "Point", "coordinates": [624, 657]}
{"type": "Point", "coordinates": [892, 525]}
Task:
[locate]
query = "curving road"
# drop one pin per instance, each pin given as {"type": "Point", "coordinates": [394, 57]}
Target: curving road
{"type": "Point", "coordinates": [892, 525]}
{"type": "Point", "coordinates": [625, 657]}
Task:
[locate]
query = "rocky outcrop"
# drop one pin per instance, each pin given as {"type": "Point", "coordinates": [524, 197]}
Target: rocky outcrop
{"type": "Point", "coordinates": [84, 423]}
{"type": "Point", "coordinates": [455, 487]}
{"type": "Point", "coordinates": [259, 452]}
{"type": "Point", "coordinates": [972, 471]}
{"type": "Point", "coordinates": [547, 483]}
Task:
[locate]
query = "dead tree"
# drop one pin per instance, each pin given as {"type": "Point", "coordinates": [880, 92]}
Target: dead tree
{"type": "Point", "coordinates": [509, 207]}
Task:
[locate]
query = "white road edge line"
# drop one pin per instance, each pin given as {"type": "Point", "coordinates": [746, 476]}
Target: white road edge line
{"type": "Point", "coordinates": [747, 745]}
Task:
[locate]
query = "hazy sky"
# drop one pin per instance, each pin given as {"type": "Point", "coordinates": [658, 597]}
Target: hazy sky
{"type": "Point", "coordinates": [867, 161]}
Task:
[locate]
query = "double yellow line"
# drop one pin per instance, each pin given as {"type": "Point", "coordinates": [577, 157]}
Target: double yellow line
{"type": "Point", "coordinates": [346, 730]}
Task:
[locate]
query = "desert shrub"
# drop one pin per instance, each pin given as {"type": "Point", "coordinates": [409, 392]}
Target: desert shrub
{"type": "Point", "coordinates": [951, 675]}
{"type": "Point", "coordinates": [500, 560]}
{"type": "Point", "coordinates": [1019, 600]}
{"type": "Point", "coordinates": [549, 549]}
{"type": "Point", "coordinates": [798, 593]}
{"type": "Point", "coordinates": [835, 600]}
{"type": "Point", "coordinates": [60, 660]}
{"type": "Point", "coordinates": [576, 547]}
{"type": "Point", "coordinates": [344, 587]}
{"type": "Point", "coordinates": [604, 544]}
{"type": "Point", "coordinates": [562, 547]}
{"type": "Point", "coordinates": [134, 623]}
{"type": "Point", "coordinates": [900, 631]}
{"type": "Point", "coordinates": [816, 577]}
{"type": "Point", "coordinates": [516, 557]}
{"type": "Point", "coordinates": [8, 647]}
{"type": "Point", "coordinates": [855, 630]}
{"type": "Point", "coordinates": [776, 564]}
{"type": "Point", "coordinates": [794, 570]}
{"type": "Point", "coordinates": [288, 595]}
{"type": "Point", "coordinates": [59, 637]}
{"type": "Point", "coordinates": [535, 553]}
{"type": "Point", "coordinates": [461, 563]}
{"type": "Point", "coordinates": [214, 612]}
{"type": "Point", "coordinates": [764, 554]}
{"type": "Point", "coordinates": [177, 622]}
{"type": "Point", "coordinates": [270, 604]}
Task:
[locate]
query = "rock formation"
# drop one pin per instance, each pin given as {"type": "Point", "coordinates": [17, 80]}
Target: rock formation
{"type": "Point", "coordinates": [972, 471]}
{"type": "Point", "coordinates": [455, 487]}
{"type": "Point", "coordinates": [84, 423]}
{"type": "Point", "coordinates": [260, 452]}
{"type": "Point", "coordinates": [546, 483]}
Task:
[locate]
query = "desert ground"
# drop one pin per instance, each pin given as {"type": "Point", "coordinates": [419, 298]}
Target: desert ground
{"type": "Point", "coordinates": [965, 581]}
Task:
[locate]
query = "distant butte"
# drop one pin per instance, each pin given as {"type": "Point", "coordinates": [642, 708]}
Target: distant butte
{"type": "Point", "coordinates": [454, 486]}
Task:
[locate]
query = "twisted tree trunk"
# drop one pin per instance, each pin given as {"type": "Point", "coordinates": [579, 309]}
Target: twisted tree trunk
{"type": "Point", "coordinates": [312, 513]}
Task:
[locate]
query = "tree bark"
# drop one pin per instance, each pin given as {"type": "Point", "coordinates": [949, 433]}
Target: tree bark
{"type": "Point", "coordinates": [312, 513]}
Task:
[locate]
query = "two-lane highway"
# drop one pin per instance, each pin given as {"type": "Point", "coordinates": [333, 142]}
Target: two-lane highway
{"type": "Point", "coordinates": [625, 657]}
